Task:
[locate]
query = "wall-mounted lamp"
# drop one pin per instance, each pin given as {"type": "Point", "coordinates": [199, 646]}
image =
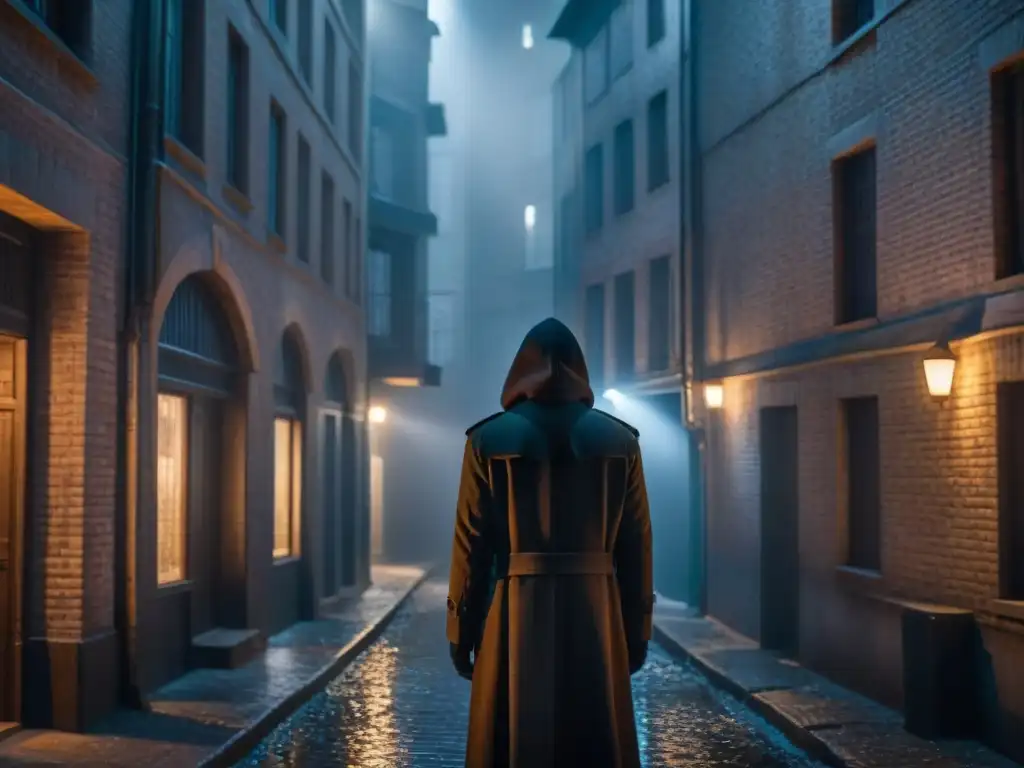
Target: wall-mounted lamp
{"type": "Point", "coordinates": [714, 395]}
{"type": "Point", "coordinates": [939, 367]}
{"type": "Point", "coordinates": [377, 414]}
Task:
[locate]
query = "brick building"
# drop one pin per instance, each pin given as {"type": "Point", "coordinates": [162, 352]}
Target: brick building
{"type": "Point", "coordinates": [64, 142]}
{"type": "Point", "coordinates": [618, 164]}
{"type": "Point", "coordinates": [861, 176]}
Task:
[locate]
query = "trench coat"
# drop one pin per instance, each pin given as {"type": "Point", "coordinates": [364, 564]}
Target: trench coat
{"type": "Point", "coordinates": [553, 516]}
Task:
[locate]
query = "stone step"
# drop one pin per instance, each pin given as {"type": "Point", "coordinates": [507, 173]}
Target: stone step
{"type": "Point", "coordinates": [222, 648]}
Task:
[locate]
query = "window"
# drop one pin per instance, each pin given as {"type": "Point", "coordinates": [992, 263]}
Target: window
{"type": "Point", "coordinates": [287, 486]}
{"type": "Point", "coordinates": [1010, 428]}
{"type": "Point", "coordinates": [276, 186]}
{"type": "Point", "coordinates": [595, 67]}
{"type": "Point", "coordinates": [186, 33]}
{"type": "Point", "coordinates": [655, 21]}
{"type": "Point", "coordinates": [379, 321]}
{"type": "Point", "coordinates": [279, 13]}
{"type": "Point", "coordinates": [302, 213]}
{"type": "Point", "coordinates": [442, 328]}
{"type": "Point", "coordinates": [355, 110]}
{"type": "Point", "coordinates": [854, 211]}
{"type": "Point", "coordinates": [357, 261]}
{"type": "Point", "coordinates": [382, 163]}
{"type": "Point", "coordinates": [625, 167]}
{"type": "Point", "coordinates": [306, 40]}
{"type": "Point", "coordinates": [625, 327]}
{"type": "Point", "coordinates": [353, 11]}
{"type": "Point", "coordinates": [527, 36]}
{"type": "Point", "coordinates": [594, 185]}
{"type": "Point", "coordinates": [346, 208]}
{"type": "Point", "coordinates": [330, 70]}
{"type": "Point", "coordinates": [70, 20]}
{"type": "Point", "coordinates": [848, 16]}
{"type": "Point", "coordinates": [657, 142]}
{"type": "Point", "coordinates": [1008, 125]}
{"type": "Point", "coordinates": [594, 333]}
{"type": "Point", "coordinates": [171, 487]}
{"type": "Point", "coordinates": [863, 486]}
{"type": "Point", "coordinates": [620, 42]}
{"type": "Point", "coordinates": [659, 304]}
{"type": "Point", "coordinates": [238, 111]}
{"type": "Point", "coordinates": [327, 228]}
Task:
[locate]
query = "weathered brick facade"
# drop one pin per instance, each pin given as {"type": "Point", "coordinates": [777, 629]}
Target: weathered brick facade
{"type": "Point", "coordinates": [780, 102]}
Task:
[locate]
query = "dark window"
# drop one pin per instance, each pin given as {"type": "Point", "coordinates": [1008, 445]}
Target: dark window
{"type": "Point", "coordinates": [330, 71]}
{"type": "Point", "coordinates": [595, 66]}
{"type": "Point", "coordinates": [70, 20]}
{"type": "Point", "coordinates": [657, 141]}
{"type": "Point", "coordinates": [279, 13]}
{"type": "Point", "coordinates": [379, 320]}
{"type": "Point", "coordinates": [302, 206]}
{"type": "Point", "coordinates": [593, 173]}
{"type": "Point", "coordinates": [277, 188]}
{"type": "Point", "coordinates": [655, 21]}
{"type": "Point", "coordinates": [625, 327]}
{"type": "Point", "coordinates": [625, 167]}
{"type": "Point", "coordinates": [848, 16]}
{"type": "Point", "coordinates": [594, 307]}
{"type": "Point", "coordinates": [1008, 143]}
{"type": "Point", "coordinates": [353, 11]}
{"type": "Point", "coordinates": [357, 261]}
{"type": "Point", "coordinates": [660, 318]}
{"type": "Point", "coordinates": [346, 222]}
{"type": "Point", "coordinates": [355, 110]}
{"type": "Point", "coordinates": [855, 236]}
{"type": "Point", "coordinates": [186, 34]}
{"type": "Point", "coordinates": [863, 484]}
{"type": "Point", "coordinates": [327, 255]}
{"type": "Point", "coordinates": [238, 111]}
{"type": "Point", "coordinates": [306, 40]}
{"type": "Point", "coordinates": [1010, 422]}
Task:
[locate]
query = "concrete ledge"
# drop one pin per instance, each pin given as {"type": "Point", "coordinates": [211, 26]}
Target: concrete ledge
{"type": "Point", "coordinates": [243, 742]}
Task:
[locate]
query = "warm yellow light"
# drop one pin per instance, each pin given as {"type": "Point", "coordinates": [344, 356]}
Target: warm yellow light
{"type": "Point", "coordinates": [714, 395]}
{"type": "Point", "coordinates": [939, 368]}
{"type": "Point", "coordinates": [377, 415]}
{"type": "Point", "coordinates": [402, 381]}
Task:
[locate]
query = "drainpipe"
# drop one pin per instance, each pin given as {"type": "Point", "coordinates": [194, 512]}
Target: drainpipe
{"type": "Point", "coordinates": [145, 151]}
{"type": "Point", "coordinates": [692, 293]}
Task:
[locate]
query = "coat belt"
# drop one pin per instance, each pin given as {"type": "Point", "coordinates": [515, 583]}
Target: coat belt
{"type": "Point", "coordinates": [560, 564]}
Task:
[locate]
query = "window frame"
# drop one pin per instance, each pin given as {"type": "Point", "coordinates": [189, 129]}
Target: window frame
{"type": "Point", "coordinates": [1007, 88]}
{"type": "Point", "coordinates": [855, 235]}
{"type": "Point", "coordinates": [277, 169]}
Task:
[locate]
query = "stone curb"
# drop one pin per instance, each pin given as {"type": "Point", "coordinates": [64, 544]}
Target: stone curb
{"type": "Point", "coordinates": [801, 737]}
{"type": "Point", "coordinates": [243, 742]}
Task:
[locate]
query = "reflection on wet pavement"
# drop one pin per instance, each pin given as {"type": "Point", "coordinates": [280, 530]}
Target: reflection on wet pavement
{"type": "Point", "coordinates": [402, 706]}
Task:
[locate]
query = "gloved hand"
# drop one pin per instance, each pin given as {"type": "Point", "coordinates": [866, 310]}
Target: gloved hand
{"type": "Point", "coordinates": [462, 660]}
{"type": "Point", "coordinates": [637, 657]}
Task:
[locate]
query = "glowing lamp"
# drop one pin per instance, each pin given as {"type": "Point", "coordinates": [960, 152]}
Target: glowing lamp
{"type": "Point", "coordinates": [612, 395]}
{"type": "Point", "coordinates": [527, 36]}
{"type": "Point", "coordinates": [939, 367]}
{"type": "Point", "coordinates": [377, 414]}
{"type": "Point", "coordinates": [714, 396]}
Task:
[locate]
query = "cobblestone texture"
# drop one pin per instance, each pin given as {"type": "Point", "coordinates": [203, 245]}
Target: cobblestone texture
{"type": "Point", "coordinates": [402, 706]}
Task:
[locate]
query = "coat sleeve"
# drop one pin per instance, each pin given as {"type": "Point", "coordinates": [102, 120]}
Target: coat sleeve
{"type": "Point", "coordinates": [634, 566]}
{"type": "Point", "coordinates": [470, 573]}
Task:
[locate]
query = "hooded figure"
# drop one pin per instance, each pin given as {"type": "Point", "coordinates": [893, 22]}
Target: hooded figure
{"type": "Point", "coordinates": [553, 508]}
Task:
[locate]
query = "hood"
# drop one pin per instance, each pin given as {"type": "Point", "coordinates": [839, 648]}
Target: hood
{"type": "Point", "coordinates": [548, 368]}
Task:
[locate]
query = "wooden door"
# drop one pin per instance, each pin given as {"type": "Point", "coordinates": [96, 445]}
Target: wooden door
{"type": "Point", "coordinates": [780, 529]}
{"type": "Point", "coordinates": [332, 502]}
{"type": "Point", "coordinates": [12, 475]}
{"type": "Point", "coordinates": [205, 513]}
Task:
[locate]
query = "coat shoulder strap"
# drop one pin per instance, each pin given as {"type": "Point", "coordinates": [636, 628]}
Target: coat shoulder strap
{"type": "Point", "coordinates": [630, 427]}
{"type": "Point", "coordinates": [480, 423]}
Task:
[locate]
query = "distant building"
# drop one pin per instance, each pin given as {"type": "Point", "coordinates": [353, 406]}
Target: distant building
{"type": "Point", "coordinates": [861, 204]}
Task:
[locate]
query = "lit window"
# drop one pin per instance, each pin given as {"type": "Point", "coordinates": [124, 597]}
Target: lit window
{"type": "Point", "coordinates": [527, 36]}
{"type": "Point", "coordinates": [530, 217]}
{"type": "Point", "coordinates": [287, 486]}
{"type": "Point", "coordinates": [172, 435]}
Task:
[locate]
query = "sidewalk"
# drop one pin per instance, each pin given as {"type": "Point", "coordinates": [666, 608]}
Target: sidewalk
{"type": "Point", "coordinates": [215, 717]}
{"type": "Point", "coordinates": [832, 723]}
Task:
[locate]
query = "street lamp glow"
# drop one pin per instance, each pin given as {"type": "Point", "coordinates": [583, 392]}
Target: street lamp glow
{"type": "Point", "coordinates": [612, 395]}
{"type": "Point", "coordinates": [714, 396]}
{"type": "Point", "coordinates": [527, 36]}
{"type": "Point", "coordinates": [530, 217]}
{"type": "Point", "coordinates": [939, 368]}
{"type": "Point", "coordinates": [377, 414]}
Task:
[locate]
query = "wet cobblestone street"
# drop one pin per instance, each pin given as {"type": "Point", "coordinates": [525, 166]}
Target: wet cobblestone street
{"type": "Point", "coordinates": [401, 705]}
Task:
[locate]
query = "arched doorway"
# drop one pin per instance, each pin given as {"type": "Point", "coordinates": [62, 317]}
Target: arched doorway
{"type": "Point", "coordinates": [289, 428]}
{"type": "Point", "coordinates": [340, 539]}
{"type": "Point", "coordinates": [200, 477]}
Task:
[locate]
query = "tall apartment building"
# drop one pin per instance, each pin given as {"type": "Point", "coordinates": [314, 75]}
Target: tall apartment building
{"type": "Point", "coordinates": [861, 240]}
{"type": "Point", "coordinates": [618, 235]}
{"type": "Point", "coordinates": [65, 127]}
